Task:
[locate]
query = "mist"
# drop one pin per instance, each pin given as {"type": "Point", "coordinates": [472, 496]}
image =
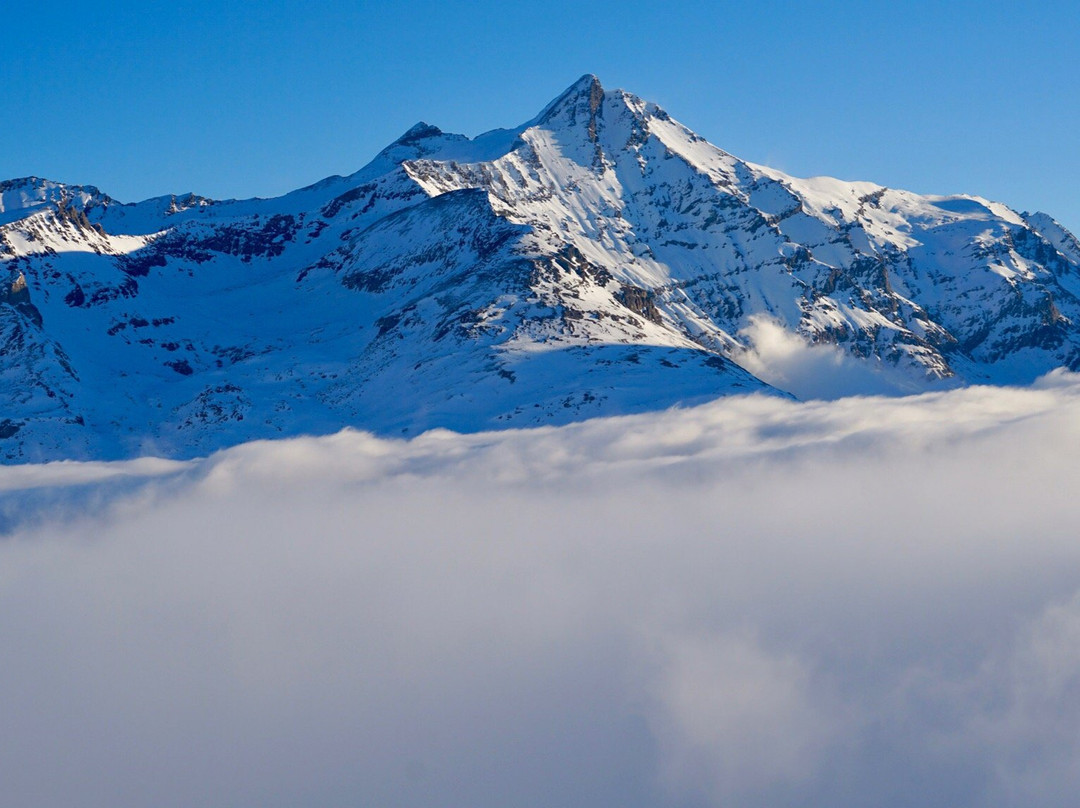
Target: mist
{"type": "Point", "coordinates": [756, 602]}
{"type": "Point", "coordinates": [788, 362]}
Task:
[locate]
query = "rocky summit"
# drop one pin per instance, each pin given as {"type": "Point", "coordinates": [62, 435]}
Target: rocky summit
{"type": "Point", "coordinates": [596, 260]}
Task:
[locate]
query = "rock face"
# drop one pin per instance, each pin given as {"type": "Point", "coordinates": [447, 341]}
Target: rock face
{"type": "Point", "coordinates": [599, 259]}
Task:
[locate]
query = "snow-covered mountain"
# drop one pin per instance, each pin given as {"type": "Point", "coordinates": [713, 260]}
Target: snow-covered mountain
{"type": "Point", "coordinates": [598, 259]}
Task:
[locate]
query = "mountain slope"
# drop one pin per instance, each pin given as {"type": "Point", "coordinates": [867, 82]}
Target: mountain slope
{"type": "Point", "coordinates": [599, 259]}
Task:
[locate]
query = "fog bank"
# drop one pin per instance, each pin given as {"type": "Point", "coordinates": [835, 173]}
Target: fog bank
{"type": "Point", "coordinates": [756, 603]}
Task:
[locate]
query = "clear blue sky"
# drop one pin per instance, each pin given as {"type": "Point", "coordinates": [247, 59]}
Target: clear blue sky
{"type": "Point", "coordinates": [248, 98]}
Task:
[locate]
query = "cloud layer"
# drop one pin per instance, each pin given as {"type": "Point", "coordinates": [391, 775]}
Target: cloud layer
{"type": "Point", "coordinates": [756, 602]}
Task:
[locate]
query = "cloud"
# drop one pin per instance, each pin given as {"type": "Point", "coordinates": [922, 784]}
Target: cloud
{"type": "Point", "coordinates": [759, 602]}
{"type": "Point", "coordinates": [1020, 710]}
{"type": "Point", "coordinates": [785, 360]}
{"type": "Point", "coordinates": [734, 722]}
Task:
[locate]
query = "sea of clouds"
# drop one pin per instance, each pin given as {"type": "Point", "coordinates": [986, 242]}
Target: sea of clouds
{"type": "Point", "coordinates": [867, 601]}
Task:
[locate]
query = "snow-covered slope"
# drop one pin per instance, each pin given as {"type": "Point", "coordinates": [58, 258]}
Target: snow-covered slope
{"type": "Point", "coordinates": [599, 259]}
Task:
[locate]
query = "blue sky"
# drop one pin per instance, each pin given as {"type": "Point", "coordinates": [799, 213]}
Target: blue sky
{"type": "Point", "coordinates": [257, 98]}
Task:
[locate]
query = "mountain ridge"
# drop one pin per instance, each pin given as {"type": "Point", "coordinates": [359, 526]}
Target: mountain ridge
{"type": "Point", "coordinates": [598, 259]}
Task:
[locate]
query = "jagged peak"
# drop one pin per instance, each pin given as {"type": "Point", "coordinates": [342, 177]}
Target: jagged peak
{"type": "Point", "coordinates": [1040, 218]}
{"type": "Point", "coordinates": [587, 90]}
{"type": "Point", "coordinates": [1053, 231]}
{"type": "Point", "coordinates": [27, 193]}
{"type": "Point", "coordinates": [421, 140]}
{"type": "Point", "coordinates": [424, 141]}
{"type": "Point", "coordinates": [419, 131]}
{"type": "Point", "coordinates": [182, 202]}
{"type": "Point", "coordinates": [19, 183]}
{"type": "Point", "coordinates": [44, 184]}
{"type": "Point", "coordinates": [582, 107]}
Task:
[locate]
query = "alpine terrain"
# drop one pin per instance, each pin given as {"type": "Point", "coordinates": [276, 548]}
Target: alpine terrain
{"type": "Point", "coordinates": [598, 259]}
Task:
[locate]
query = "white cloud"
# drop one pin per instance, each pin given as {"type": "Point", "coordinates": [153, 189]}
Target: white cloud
{"type": "Point", "coordinates": [865, 601]}
{"type": "Point", "coordinates": [736, 724]}
{"type": "Point", "coordinates": [785, 360]}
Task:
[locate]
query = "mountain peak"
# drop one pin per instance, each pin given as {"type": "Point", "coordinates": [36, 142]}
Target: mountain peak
{"type": "Point", "coordinates": [419, 131]}
{"type": "Point", "coordinates": [598, 259]}
{"type": "Point", "coordinates": [586, 93]}
{"type": "Point", "coordinates": [590, 82]}
{"type": "Point", "coordinates": [26, 193]}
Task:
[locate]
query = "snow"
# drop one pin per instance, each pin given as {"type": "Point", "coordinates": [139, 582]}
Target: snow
{"type": "Point", "coordinates": [472, 282]}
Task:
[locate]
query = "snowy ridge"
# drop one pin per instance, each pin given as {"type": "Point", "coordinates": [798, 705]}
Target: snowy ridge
{"type": "Point", "coordinates": [601, 258]}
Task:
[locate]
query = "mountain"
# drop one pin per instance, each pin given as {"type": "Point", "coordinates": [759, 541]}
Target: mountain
{"type": "Point", "coordinates": [598, 259]}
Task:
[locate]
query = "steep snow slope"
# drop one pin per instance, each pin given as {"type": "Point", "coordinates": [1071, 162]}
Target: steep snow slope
{"type": "Point", "coordinates": [940, 286]}
{"type": "Point", "coordinates": [600, 258]}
